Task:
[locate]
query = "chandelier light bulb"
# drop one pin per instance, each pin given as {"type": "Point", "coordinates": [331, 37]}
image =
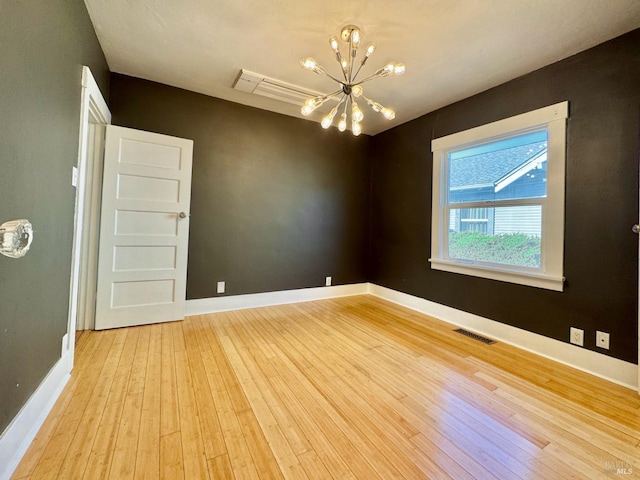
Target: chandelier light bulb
{"type": "Point", "coordinates": [328, 120]}
{"type": "Point", "coordinates": [311, 104]}
{"type": "Point", "coordinates": [398, 69]}
{"type": "Point", "coordinates": [356, 90]}
{"type": "Point", "coordinates": [356, 129]}
{"type": "Point", "coordinates": [370, 49]}
{"type": "Point", "coordinates": [388, 113]}
{"type": "Point", "coordinates": [342, 124]}
{"type": "Point", "coordinates": [355, 37]}
{"type": "Point", "coordinates": [307, 109]}
{"type": "Point", "coordinates": [356, 113]}
{"type": "Point", "coordinates": [310, 64]}
{"type": "Point", "coordinates": [333, 41]}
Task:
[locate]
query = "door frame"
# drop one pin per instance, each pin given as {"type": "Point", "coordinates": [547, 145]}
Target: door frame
{"type": "Point", "coordinates": [93, 111]}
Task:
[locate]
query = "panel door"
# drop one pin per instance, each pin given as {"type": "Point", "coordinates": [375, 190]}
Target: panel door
{"type": "Point", "coordinates": [144, 228]}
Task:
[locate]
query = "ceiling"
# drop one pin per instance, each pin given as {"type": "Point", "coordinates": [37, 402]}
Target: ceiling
{"type": "Point", "coordinates": [452, 48]}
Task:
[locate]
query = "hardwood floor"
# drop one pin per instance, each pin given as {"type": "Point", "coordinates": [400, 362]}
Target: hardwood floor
{"type": "Point", "coordinates": [350, 388]}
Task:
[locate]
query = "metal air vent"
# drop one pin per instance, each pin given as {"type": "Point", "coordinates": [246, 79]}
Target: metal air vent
{"type": "Point", "coordinates": [475, 336]}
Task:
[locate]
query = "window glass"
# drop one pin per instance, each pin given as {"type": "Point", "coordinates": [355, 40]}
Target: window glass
{"type": "Point", "coordinates": [501, 235]}
{"type": "Point", "coordinates": [511, 168]}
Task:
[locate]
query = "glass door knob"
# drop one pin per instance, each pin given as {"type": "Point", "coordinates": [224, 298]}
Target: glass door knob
{"type": "Point", "coordinates": [15, 238]}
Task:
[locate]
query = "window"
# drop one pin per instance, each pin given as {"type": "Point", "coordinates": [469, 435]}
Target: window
{"type": "Point", "coordinates": [498, 199]}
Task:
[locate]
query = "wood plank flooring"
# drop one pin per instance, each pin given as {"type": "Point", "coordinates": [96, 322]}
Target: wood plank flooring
{"type": "Point", "coordinates": [349, 388]}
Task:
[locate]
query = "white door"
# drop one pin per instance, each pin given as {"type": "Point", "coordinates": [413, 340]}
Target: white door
{"type": "Point", "coordinates": [144, 228]}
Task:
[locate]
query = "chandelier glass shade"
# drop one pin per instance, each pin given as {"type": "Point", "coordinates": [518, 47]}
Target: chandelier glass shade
{"type": "Point", "coordinates": [350, 87]}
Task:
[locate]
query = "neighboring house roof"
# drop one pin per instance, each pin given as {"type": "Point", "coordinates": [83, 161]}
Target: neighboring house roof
{"type": "Point", "coordinates": [495, 169]}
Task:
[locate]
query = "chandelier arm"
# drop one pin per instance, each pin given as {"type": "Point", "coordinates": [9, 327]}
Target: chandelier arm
{"type": "Point", "coordinates": [329, 95]}
{"type": "Point", "coordinates": [334, 78]}
{"type": "Point", "coordinates": [353, 52]}
{"type": "Point", "coordinates": [332, 94]}
{"type": "Point", "coordinates": [375, 106]}
{"type": "Point", "coordinates": [364, 60]}
{"type": "Point", "coordinates": [369, 78]}
{"type": "Point", "coordinates": [352, 57]}
{"type": "Point", "coordinates": [348, 69]}
{"type": "Point", "coordinates": [344, 97]}
{"type": "Point", "coordinates": [358, 71]}
{"type": "Point", "coordinates": [369, 52]}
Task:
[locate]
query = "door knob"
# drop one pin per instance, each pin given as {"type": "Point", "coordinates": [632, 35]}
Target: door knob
{"type": "Point", "coordinates": [635, 228]}
{"type": "Point", "coordinates": [182, 215]}
{"type": "Point", "coordinates": [15, 238]}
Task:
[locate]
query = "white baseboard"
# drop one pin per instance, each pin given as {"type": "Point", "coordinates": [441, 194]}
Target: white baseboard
{"type": "Point", "coordinates": [239, 302]}
{"type": "Point", "coordinates": [17, 437]}
{"type": "Point", "coordinates": [609, 368]}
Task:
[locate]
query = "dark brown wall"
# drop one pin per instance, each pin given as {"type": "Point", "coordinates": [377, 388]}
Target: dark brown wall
{"type": "Point", "coordinates": [602, 86]}
{"type": "Point", "coordinates": [43, 45]}
{"type": "Point", "coordinates": [277, 202]}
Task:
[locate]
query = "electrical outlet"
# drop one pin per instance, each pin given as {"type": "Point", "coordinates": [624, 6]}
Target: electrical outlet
{"type": "Point", "coordinates": [220, 287]}
{"type": "Point", "coordinates": [327, 282]}
{"type": "Point", "coordinates": [576, 336]}
{"type": "Point", "coordinates": [602, 340]}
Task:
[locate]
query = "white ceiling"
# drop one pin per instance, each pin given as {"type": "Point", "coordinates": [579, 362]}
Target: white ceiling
{"type": "Point", "coordinates": [452, 48]}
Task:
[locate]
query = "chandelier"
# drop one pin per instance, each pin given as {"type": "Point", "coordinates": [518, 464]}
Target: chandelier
{"type": "Point", "coordinates": [350, 87]}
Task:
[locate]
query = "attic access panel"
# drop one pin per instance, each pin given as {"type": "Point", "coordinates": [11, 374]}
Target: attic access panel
{"type": "Point", "coordinates": [264, 86]}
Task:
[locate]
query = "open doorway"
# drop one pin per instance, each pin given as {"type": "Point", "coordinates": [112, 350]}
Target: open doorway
{"type": "Point", "coordinates": [94, 116]}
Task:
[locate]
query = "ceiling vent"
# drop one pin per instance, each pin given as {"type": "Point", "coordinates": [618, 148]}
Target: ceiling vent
{"type": "Point", "coordinates": [264, 86]}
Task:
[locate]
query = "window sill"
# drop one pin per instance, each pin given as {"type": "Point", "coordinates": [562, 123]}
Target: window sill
{"type": "Point", "coordinates": [548, 282]}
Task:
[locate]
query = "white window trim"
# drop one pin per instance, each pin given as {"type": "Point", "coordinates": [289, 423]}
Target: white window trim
{"type": "Point", "coordinates": [553, 118]}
